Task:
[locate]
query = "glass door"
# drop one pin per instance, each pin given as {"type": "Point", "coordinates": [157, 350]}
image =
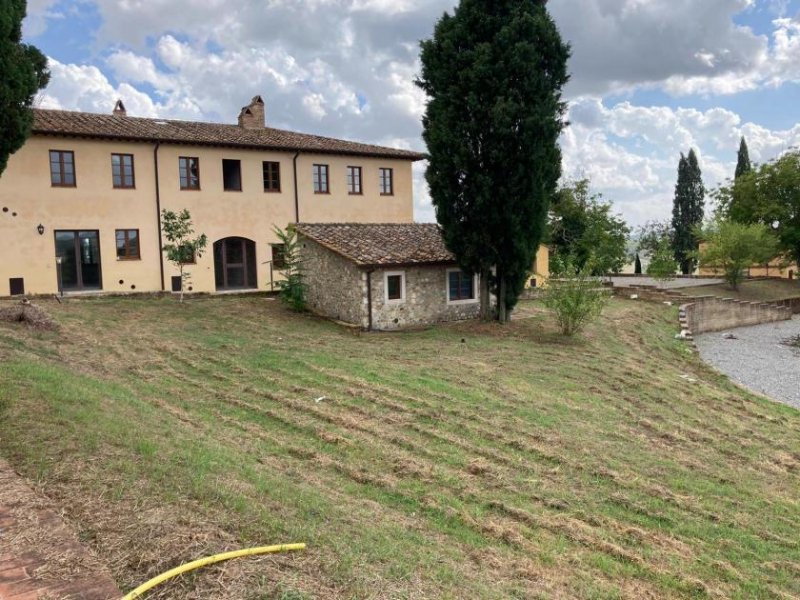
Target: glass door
{"type": "Point", "coordinates": [79, 252]}
{"type": "Point", "coordinates": [235, 264]}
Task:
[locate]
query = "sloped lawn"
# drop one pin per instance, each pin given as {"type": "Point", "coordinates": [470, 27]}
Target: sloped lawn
{"type": "Point", "coordinates": [465, 461]}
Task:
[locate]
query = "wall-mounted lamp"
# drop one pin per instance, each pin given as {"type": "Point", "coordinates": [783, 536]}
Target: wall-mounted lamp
{"type": "Point", "coordinates": [40, 229]}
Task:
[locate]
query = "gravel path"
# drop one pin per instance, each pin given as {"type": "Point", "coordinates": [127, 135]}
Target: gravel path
{"type": "Point", "coordinates": [678, 282]}
{"type": "Point", "coordinates": [757, 359]}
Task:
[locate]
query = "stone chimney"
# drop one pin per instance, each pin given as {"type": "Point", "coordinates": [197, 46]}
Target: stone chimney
{"type": "Point", "coordinates": [119, 109]}
{"type": "Point", "coordinates": [252, 116]}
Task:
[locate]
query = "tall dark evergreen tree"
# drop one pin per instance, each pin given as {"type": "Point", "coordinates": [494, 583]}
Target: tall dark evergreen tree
{"type": "Point", "coordinates": [743, 163]}
{"type": "Point", "coordinates": [23, 72]}
{"type": "Point", "coordinates": [687, 211]}
{"type": "Point", "coordinates": [493, 72]}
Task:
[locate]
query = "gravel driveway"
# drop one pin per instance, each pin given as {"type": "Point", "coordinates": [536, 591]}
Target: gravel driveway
{"type": "Point", "coordinates": [757, 359]}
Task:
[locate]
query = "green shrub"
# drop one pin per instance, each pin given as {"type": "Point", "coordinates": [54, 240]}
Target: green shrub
{"type": "Point", "coordinates": [293, 287]}
{"type": "Point", "coordinates": [574, 296]}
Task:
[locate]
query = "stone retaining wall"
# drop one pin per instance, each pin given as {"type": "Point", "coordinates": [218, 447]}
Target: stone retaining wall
{"type": "Point", "coordinates": [717, 314]}
{"type": "Point", "coordinates": [792, 303]}
{"type": "Point", "coordinates": [702, 314]}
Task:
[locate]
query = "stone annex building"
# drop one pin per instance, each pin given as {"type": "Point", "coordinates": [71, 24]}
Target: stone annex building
{"type": "Point", "coordinates": [80, 202]}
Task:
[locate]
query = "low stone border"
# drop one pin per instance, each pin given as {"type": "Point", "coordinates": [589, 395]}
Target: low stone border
{"type": "Point", "coordinates": [703, 314]}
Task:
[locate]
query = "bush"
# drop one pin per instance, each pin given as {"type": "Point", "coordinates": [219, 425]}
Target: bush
{"type": "Point", "coordinates": [730, 248]}
{"type": "Point", "coordinates": [293, 287]}
{"type": "Point", "coordinates": [574, 296]}
{"type": "Point", "coordinates": [663, 265]}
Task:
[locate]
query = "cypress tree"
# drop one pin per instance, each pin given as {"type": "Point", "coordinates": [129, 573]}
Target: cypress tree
{"type": "Point", "coordinates": [23, 72]}
{"type": "Point", "coordinates": [687, 211]}
{"type": "Point", "coordinates": [493, 73]}
{"type": "Point", "coordinates": [637, 265]}
{"type": "Point", "coordinates": [743, 160]}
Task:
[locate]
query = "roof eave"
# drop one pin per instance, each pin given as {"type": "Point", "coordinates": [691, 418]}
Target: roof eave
{"type": "Point", "coordinates": [414, 157]}
{"type": "Point", "coordinates": [406, 265]}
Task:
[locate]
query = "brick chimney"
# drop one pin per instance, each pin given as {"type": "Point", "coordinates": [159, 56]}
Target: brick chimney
{"type": "Point", "coordinates": [119, 109]}
{"type": "Point", "coordinates": [252, 116]}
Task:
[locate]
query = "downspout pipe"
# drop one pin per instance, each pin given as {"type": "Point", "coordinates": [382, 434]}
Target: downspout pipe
{"type": "Point", "coordinates": [369, 299]}
{"type": "Point", "coordinates": [158, 215]}
{"type": "Point", "coordinates": [296, 193]}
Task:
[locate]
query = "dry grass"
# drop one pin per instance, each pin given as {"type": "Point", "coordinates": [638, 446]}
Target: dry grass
{"type": "Point", "coordinates": [465, 461]}
{"type": "Point", "coordinates": [28, 314]}
{"type": "Point", "coordinates": [759, 290]}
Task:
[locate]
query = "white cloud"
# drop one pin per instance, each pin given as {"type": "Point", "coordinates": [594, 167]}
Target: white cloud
{"type": "Point", "coordinates": [345, 68]}
{"type": "Point", "coordinates": [631, 152]}
{"type": "Point", "coordinates": [39, 13]}
{"type": "Point", "coordinates": [74, 87]}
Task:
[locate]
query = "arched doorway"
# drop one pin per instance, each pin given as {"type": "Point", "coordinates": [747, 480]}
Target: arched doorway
{"type": "Point", "coordinates": [235, 264]}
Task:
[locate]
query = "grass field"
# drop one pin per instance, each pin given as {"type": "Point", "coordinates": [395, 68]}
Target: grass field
{"type": "Point", "coordinates": [465, 461]}
{"type": "Point", "coordinates": [759, 290]}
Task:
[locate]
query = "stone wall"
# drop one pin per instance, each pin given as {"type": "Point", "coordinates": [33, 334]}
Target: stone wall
{"type": "Point", "coordinates": [425, 300]}
{"type": "Point", "coordinates": [336, 287]}
{"type": "Point", "coordinates": [717, 314]}
{"type": "Point", "coordinates": [702, 314]}
{"type": "Point", "coordinates": [792, 303]}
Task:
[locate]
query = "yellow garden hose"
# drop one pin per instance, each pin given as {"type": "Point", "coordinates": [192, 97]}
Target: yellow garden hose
{"type": "Point", "coordinates": [210, 560]}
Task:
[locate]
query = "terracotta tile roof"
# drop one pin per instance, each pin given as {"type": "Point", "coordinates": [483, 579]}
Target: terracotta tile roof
{"type": "Point", "coordinates": [381, 244]}
{"type": "Point", "coordinates": [118, 127]}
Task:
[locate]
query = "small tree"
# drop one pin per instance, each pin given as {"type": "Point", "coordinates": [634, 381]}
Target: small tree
{"type": "Point", "coordinates": [181, 247]}
{"type": "Point", "coordinates": [732, 247]}
{"type": "Point", "coordinates": [743, 165]}
{"type": "Point", "coordinates": [651, 235]}
{"type": "Point", "coordinates": [769, 194]}
{"type": "Point", "coordinates": [573, 295]}
{"type": "Point", "coordinates": [293, 287]}
{"type": "Point", "coordinates": [662, 265]}
{"type": "Point", "coordinates": [687, 211]}
{"type": "Point", "coordinates": [582, 225]}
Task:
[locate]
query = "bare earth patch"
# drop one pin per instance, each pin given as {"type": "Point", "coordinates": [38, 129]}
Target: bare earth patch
{"type": "Point", "coordinates": [30, 314]}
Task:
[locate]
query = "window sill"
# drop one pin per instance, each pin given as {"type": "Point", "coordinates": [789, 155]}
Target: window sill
{"type": "Point", "coordinates": [383, 194]}
{"type": "Point", "coordinates": [190, 189]}
{"type": "Point", "coordinates": [355, 193]}
{"type": "Point", "coordinates": [461, 302]}
{"type": "Point", "coordinates": [124, 187]}
{"type": "Point", "coordinates": [272, 191]}
{"type": "Point", "coordinates": [63, 185]}
{"type": "Point", "coordinates": [323, 193]}
{"type": "Point", "coordinates": [231, 190]}
{"type": "Point", "coordinates": [119, 259]}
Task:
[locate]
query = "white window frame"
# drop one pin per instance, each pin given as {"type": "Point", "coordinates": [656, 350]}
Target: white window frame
{"type": "Point", "coordinates": [473, 300]}
{"type": "Point", "coordinates": [386, 276]}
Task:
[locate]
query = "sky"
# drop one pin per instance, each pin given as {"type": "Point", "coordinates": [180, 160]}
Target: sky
{"type": "Point", "coordinates": [649, 78]}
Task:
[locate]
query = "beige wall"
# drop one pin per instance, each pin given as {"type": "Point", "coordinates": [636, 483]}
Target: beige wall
{"type": "Point", "coordinates": [776, 268]}
{"type": "Point", "coordinates": [95, 205]}
{"type": "Point", "coordinates": [540, 271]}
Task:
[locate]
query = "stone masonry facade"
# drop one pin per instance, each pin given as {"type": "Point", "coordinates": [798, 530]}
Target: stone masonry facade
{"type": "Point", "coordinates": [336, 287]}
{"type": "Point", "coordinates": [425, 299]}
